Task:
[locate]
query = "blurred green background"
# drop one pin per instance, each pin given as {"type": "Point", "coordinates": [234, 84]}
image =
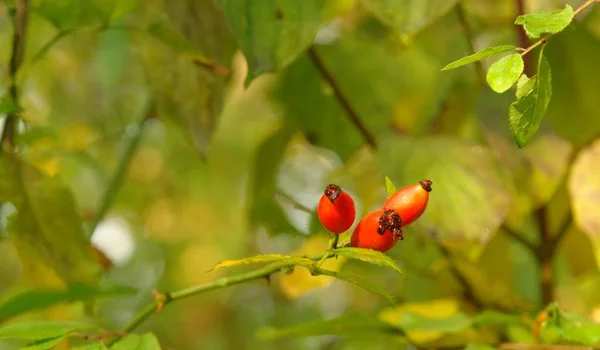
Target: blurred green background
{"type": "Point", "coordinates": [225, 162]}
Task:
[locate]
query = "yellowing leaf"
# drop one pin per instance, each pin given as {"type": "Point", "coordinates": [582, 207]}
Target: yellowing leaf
{"type": "Point", "coordinates": [77, 136]}
{"type": "Point", "coordinates": [43, 156]}
{"type": "Point", "coordinates": [435, 309]}
{"type": "Point", "coordinates": [300, 281]}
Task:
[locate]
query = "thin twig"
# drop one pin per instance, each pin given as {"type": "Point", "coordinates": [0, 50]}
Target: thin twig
{"type": "Point", "coordinates": [118, 177]}
{"type": "Point", "coordinates": [545, 255]}
{"type": "Point", "coordinates": [343, 100]}
{"type": "Point", "coordinates": [468, 292]}
{"type": "Point", "coordinates": [516, 236]}
{"type": "Point", "coordinates": [470, 38]}
{"type": "Point", "coordinates": [524, 39]}
{"type": "Point", "coordinates": [294, 202]}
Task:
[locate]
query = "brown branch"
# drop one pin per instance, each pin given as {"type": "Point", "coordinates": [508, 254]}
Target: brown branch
{"type": "Point", "coordinates": [470, 38]}
{"type": "Point", "coordinates": [7, 139]}
{"type": "Point", "coordinates": [468, 291]}
{"type": "Point", "coordinates": [343, 100]}
{"type": "Point", "coordinates": [545, 255]}
{"type": "Point", "coordinates": [523, 39]}
{"type": "Point", "coordinates": [213, 66]}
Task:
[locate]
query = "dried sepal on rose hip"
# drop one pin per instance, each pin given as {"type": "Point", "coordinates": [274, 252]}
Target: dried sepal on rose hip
{"type": "Point", "coordinates": [378, 230]}
{"type": "Point", "coordinates": [336, 209]}
{"type": "Point", "coordinates": [410, 201]}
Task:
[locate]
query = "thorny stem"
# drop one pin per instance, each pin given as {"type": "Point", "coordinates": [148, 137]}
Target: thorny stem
{"type": "Point", "coordinates": [343, 100]}
{"type": "Point", "coordinates": [202, 288]}
{"type": "Point", "coordinates": [123, 166]}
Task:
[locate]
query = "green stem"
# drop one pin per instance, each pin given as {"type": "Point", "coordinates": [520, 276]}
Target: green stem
{"type": "Point", "coordinates": [223, 282]}
{"type": "Point", "coordinates": [330, 250]}
{"type": "Point", "coordinates": [122, 168]}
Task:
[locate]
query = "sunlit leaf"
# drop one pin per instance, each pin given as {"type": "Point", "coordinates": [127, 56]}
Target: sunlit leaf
{"type": "Point", "coordinates": [538, 23]}
{"type": "Point", "coordinates": [533, 97]}
{"type": "Point", "coordinates": [584, 190]}
{"type": "Point", "coordinates": [471, 194]}
{"type": "Point", "coordinates": [36, 330]}
{"type": "Point", "coordinates": [40, 298]}
{"type": "Point", "coordinates": [265, 258]}
{"type": "Point", "coordinates": [346, 325]}
{"type": "Point", "coordinates": [505, 72]}
{"type": "Point", "coordinates": [370, 256]}
{"type": "Point", "coordinates": [389, 186]}
{"type": "Point", "coordinates": [146, 341]}
{"type": "Point", "coordinates": [272, 33]}
{"type": "Point", "coordinates": [360, 282]}
{"type": "Point", "coordinates": [479, 55]}
{"type": "Point", "coordinates": [408, 18]}
{"type": "Point", "coordinates": [46, 225]}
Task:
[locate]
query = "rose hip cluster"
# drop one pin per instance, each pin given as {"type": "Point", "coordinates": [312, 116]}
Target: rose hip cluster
{"type": "Point", "coordinates": [380, 229]}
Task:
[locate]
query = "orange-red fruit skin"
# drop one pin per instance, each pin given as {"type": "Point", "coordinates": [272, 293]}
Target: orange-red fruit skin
{"type": "Point", "coordinates": [365, 234]}
{"type": "Point", "coordinates": [410, 201]}
{"type": "Point", "coordinates": [338, 215]}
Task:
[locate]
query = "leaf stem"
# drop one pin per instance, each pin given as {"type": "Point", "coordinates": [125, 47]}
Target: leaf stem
{"type": "Point", "coordinates": [123, 166]}
{"type": "Point", "coordinates": [295, 203]}
{"type": "Point", "coordinates": [343, 100]}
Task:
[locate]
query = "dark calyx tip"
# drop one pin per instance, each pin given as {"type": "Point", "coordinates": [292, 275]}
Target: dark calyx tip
{"type": "Point", "coordinates": [332, 191]}
{"type": "Point", "coordinates": [391, 221]}
{"type": "Point", "coordinates": [426, 184]}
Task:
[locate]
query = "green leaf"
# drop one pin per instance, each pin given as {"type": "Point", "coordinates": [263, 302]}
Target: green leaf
{"type": "Point", "coordinates": [40, 298]}
{"type": "Point", "coordinates": [44, 344]}
{"type": "Point", "coordinates": [533, 97]}
{"type": "Point", "coordinates": [70, 14]}
{"type": "Point", "coordinates": [265, 258]}
{"type": "Point", "coordinates": [538, 23]}
{"type": "Point", "coordinates": [490, 317]}
{"type": "Point", "coordinates": [505, 72]}
{"type": "Point", "coordinates": [479, 55]}
{"type": "Point", "coordinates": [145, 341]}
{"type": "Point", "coordinates": [91, 346]}
{"type": "Point", "coordinates": [370, 256]}
{"type": "Point", "coordinates": [37, 330]}
{"type": "Point", "coordinates": [272, 33]}
{"type": "Point", "coordinates": [584, 189]}
{"type": "Point", "coordinates": [8, 106]}
{"type": "Point", "coordinates": [389, 186]}
{"type": "Point", "coordinates": [471, 192]}
{"type": "Point", "coordinates": [409, 17]}
{"type": "Point", "coordinates": [46, 225]}
{"type": "Point", "coordinates": [346, 325]}
{"type": "Point", "coordinates": [569, 327]}
{"type": "Point", "coordinates": [413, 322]}
{"type": "Point", "coordinates": [360, 282]}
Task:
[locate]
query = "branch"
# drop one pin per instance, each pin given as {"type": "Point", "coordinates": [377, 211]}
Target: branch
{"type": "Point", "coordinates": [468, 292]}
{"type": "Point", "coordinates": [469, 36]}
{"type": "Point", "coordinates": [343, 100]}
{"type": "Point", "coordinates": [119, 175]}
{"type": "Point", "coordinates": [7, 139]}
{"type": "Point", "coordinates": [295, 203]}
{"type": "Point", "coordinates": [223, 282]}
{"type": "Point", "coordinates": [519, 238]}
{"type": "Point", "coordinates": [523, 39]}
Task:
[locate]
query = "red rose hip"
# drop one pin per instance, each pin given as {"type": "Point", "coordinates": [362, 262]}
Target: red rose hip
{"type": "Point", "coordinates": [410, 201]}
{"type": "Point", "coordinates": [336, 209]}
{"type": "Point", "coordinates": [379, 230]}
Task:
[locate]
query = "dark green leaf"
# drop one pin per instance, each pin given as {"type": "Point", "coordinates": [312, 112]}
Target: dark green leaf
{"type": "Point", "coordinates": [389, 186]}
{"type": "Point", "coordinates": [264, 258]}
{"type": "Point", "coordinates": [538, 23]}
{"type": "Point", "coordinates": [370, 256]}
{"type": "Point", "coordinates": [40, 298]}
{"type": "Point", "coordinates": [569, 327]}
{"type": "Point", "coordinates": [145, 341]}
{"type": "Point", "coordinates": [533, 97]}
{"type": "Point", "coordinates": [409, 17]}
{"type": "Point", "coordinates": [479, 55]}
{"type": "Point", "coordinates": [272, 33]}
{"type": "Point", "coordinates": [44, 344]}
{"type": "Point", "coordinates": [347, 325]}
{"type": "Point", "coordinates": [362, 283]}
{"type": "Point", "coordinates": [413, 322]}
{"type": "Point", "coordinates": [37, 330]}
{"type": "Point", "coordinates": [46, 225]}
{"type": "Point", "coordinates": [471, 192]}
{"type": "Point", "coordinates": [505, 72]}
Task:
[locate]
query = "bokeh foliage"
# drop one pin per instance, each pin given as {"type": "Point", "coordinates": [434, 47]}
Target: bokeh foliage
{"type": "Point", "coordinates": [238, 110]}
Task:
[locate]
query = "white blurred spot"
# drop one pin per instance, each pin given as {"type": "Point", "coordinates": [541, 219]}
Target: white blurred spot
{"type": "Point", "coordinates": [113, 237]}
{"type": "Point", "coordinates": [330, 33]}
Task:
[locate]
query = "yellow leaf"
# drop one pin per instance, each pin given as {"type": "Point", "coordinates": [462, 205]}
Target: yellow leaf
{"type": "Point", "coordinates": [300, 281]}
{"type": "Point", "coordinates": [77, 136]}
{"type": "Point", "coordinates": [43, 156]}
{"type": "Point", "coordinates": [434, 309]}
